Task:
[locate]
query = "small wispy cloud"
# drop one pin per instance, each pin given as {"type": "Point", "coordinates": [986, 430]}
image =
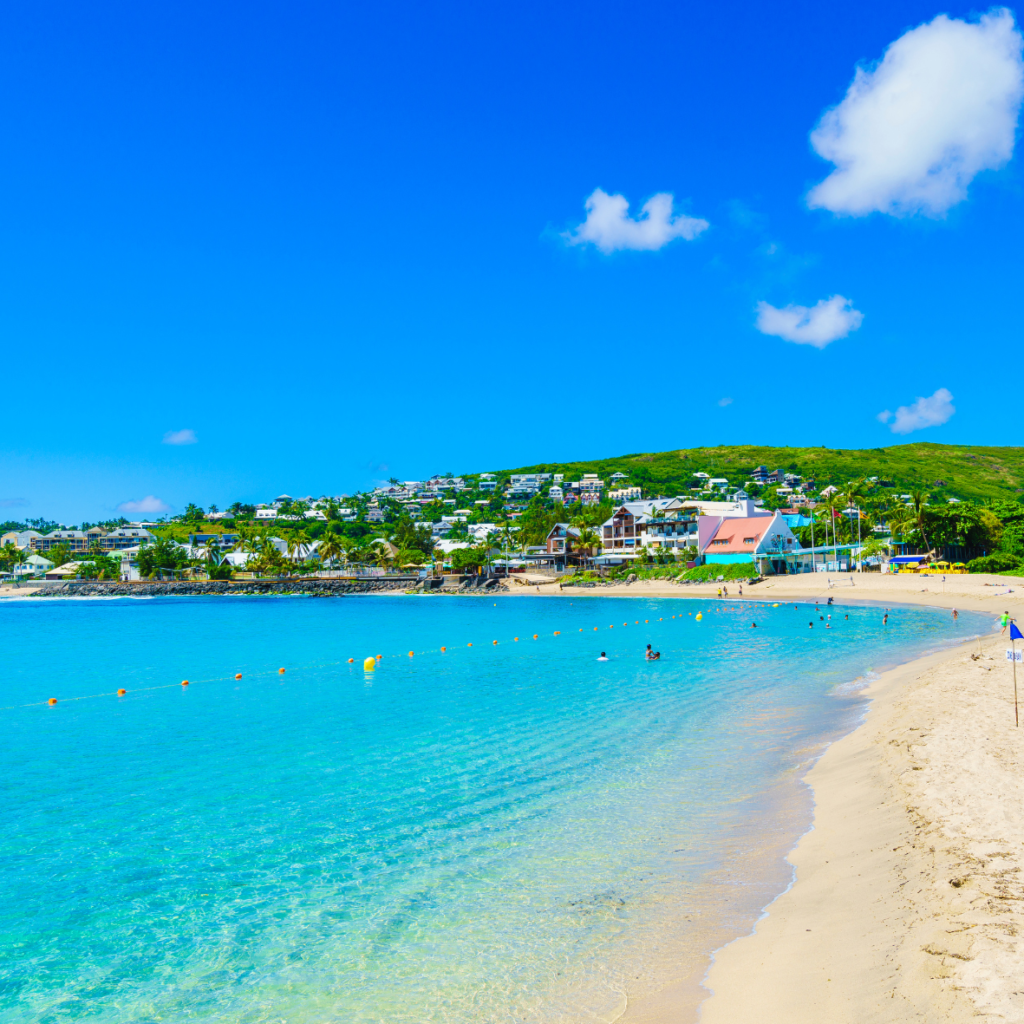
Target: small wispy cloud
{"type": "Point", "coordinates": [916, 128]}
{"type": "Point", "coordinates": [609, 226]}
{"type": "Point", "coordinates": [13, 502]}
{"type": "Point", "coordinates": [149, 505]}
{"type": "Point", "coordinates": [723, 402]}
{"type": "Point", "coordinates": [925, 412]}
{"type": "Point", "coordinates": [818, 325]}
{"type": "Point", "coordinates": [180, 437]}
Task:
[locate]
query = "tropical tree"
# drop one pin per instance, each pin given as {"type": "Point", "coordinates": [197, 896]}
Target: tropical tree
{"type": "Point", "coordinates": [59, 554]}
{"type": "Point", "coordinates": [874, 547]}
{"type": "Point", "coordinates": [297, 540]}
{"type": "Point", "coordinates": [586, 540]}
{"type": "Point", "coordinates": [329, 548]}
{"type": "Point", "coordinates": [919, 507]}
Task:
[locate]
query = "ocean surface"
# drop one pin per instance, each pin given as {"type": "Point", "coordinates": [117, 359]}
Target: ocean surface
{"type": "Point", "coordinates": [510, 832]}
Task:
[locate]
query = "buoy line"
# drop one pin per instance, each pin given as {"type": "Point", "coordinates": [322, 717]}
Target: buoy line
{"type": "Point", "coordinates": [369, 665]}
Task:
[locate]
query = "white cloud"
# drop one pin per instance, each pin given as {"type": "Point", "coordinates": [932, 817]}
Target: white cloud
{"type": "Point", "coordinates": [914, 129]}
{"type": "Point", "coordinates": [148, 505]}
{"type": "Point", "coordinates": [925, 412]}
{"type": "Point", "coordinates": [816, 325]}
{"type": "Point", "coordinates": [884, 416]}
{"type": "Point", "coordinates": [723, 402]}
{"type": "Point", "coordinates": [609, 226]}
{"type": "Point", "coordinates": [180, 437]}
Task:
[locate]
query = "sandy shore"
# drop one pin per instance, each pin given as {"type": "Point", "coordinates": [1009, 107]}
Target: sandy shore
{"type": "Point", "coordinates": [908, 898]}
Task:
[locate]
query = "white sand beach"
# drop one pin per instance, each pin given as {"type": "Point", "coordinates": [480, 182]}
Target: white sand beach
{"type": "Point", "coordinates": [908, 897]}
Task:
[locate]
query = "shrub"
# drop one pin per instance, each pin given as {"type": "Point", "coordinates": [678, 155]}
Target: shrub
{"type": "Point", "coordinates": [998, 562]}
{"type": "Point", "coordinates": [732, 571]}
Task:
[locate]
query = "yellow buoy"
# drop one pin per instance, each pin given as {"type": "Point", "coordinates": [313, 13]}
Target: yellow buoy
{"type": "Point", "coordinates": [369, 664]}
{"type": "Point", "coordinates": [699, 616]}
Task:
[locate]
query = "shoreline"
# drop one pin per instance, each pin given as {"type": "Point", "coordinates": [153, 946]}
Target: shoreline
{"type": "Point", "coordinates": [906, 900]}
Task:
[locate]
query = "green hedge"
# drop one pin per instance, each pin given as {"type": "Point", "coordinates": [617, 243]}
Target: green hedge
{"type": "Point", "coordinates": [732, 571]}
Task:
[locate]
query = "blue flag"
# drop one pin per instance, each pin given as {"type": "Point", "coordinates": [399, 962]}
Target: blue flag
{"type": "Point", "coordinates": [1015, 633]}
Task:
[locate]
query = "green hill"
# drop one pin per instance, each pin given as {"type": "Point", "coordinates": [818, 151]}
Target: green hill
{"type": "Point", "coordinates": [973, 472]}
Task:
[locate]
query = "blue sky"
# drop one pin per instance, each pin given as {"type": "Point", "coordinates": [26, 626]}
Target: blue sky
{"type": "Point", "coordinates": [342, 242]}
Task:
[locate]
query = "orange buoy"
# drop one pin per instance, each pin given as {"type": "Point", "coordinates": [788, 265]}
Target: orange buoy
{"type": "Point", "coordinates": [625, 623]}
{"type": "Point", "coordinates": [52, 700]}
{"type": "Point", "coordinates": [647, 620]}
{"type": "Point", "coordinates": [534, 636]}
{"type": "Point", "coordinates": [121, 692]}
{"type": "Point", "coordinates": [558, 632]}
{"type": "Point", "coordinates": [469, 645]}
{"type": "Point", "coordinates": [350, 660]}
{"type": "Point", "coordinates": [280, 671]}
{"type": "Point", "coordinates": [184, 682]}
{"type": "Point", "coordinates": [379, 656]}
{"type": "Point", "coordinates": [517, 639]}
{"type": "Point", "coordinates": [595, 629]}
{"type": "Point", "coordinates": [410, 654]}
{"type": "Point", "coordinates": [495, 642]}
{"type": "Point", "coordinates": [238, 675]}
{"type": "Point", "coordinates": [443, 649]}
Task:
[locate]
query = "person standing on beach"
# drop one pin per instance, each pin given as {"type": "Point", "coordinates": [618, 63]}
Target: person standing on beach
{"type": "Point", "coordinates": [1004, 621]}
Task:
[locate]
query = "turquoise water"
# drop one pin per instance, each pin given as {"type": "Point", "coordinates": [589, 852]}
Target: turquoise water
{"type": "Point", "coordinates": [495, 833]}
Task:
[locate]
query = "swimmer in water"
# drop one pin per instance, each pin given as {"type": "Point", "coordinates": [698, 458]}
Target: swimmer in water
{"type": "Point", "coordinates": [885, 619]}
{"type": "Point", "coordinates": [956, 615]}
{"type": "Point", "coordinates": [828, 625]}
{"type": "Point", "coordinates": [810, 625]}
{"type": "Point", "coordinates": [657, 656]}
{"type": "Point", "coordinates": [753, 625]}
{"type": "Point", "coordinates": [604, 657]}
{"type": "Point", "coordinates": [847, 615]}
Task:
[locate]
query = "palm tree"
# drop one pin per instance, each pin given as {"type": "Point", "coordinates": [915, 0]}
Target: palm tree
{"type": "Point", "coordinates": [919, 509]}
{"type": "Point", "coordinates": [329, 548]}
{"type": "Point", "coordinates": [852, 494]}
{"type": "Point", "coordinates": [587, 540]}
{"type": "Point", "coordinates": [295, 543]}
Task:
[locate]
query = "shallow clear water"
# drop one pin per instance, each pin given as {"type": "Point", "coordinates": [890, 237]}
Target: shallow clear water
{"type": "Point", "coordinates": [495, 833]}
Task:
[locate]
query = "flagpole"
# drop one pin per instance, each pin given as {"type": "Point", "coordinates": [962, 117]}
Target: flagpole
{"type": "Point", "coordinates": [1016, 716]}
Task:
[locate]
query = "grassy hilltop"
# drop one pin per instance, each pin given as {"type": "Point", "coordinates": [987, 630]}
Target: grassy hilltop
{"type": "Point", "coordinates": [974, 472]}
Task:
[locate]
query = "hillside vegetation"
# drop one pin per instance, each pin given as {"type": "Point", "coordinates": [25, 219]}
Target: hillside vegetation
{"type": "Point", "coordinates": [974, 472]}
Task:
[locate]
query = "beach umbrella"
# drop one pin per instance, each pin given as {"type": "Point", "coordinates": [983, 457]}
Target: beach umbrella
{"type": "Point", "coordinates": [1015, 634]}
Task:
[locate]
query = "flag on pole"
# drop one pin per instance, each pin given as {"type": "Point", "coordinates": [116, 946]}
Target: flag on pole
{"type": "Point", "coordinates": [1015, 633]}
